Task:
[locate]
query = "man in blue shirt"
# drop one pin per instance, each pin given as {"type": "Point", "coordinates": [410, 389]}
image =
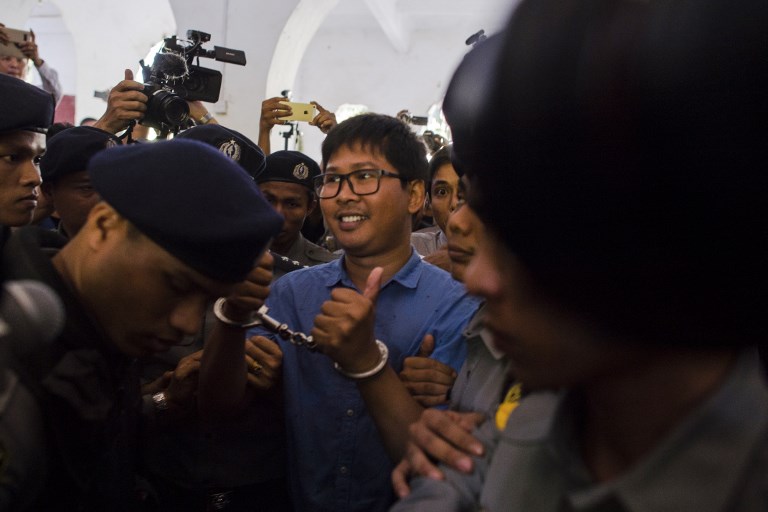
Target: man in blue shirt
{"type": "Point", "coordinates": [347, 411]}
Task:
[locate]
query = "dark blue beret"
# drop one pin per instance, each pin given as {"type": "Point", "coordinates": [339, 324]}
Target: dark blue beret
{"type": "Point", "coordinates": [70, 150]}
{"type": "Point", "coordinates": [192, 201]}
{"type": "Point", "coordinates": [24, 106]}
{"type": "Point", "coordinates": [291, 167]}
{"type": "Point", "coordinates": [235, 145]}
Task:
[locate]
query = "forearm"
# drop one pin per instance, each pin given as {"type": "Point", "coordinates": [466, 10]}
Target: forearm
{"type": "Point", "coordinates": [223, 373]}
{"type": "Point", "coordinates": [393, 409]}
{"type": "Point", "coordinates": [50, 79]}
{"type": "Point", "coordinates": [264, 142]}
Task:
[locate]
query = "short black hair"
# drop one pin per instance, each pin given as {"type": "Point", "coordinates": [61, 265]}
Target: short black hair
{"type": "Point", "coordinates": [441, 157]}
{"type": "Point", "coordinates": [620, 154]}
{"type": "Point", "coordinates": [383, 134]}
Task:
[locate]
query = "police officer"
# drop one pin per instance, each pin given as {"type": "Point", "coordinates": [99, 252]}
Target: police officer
{"type": "Point", "coordinates": [66, 182]}
{"type": "Point", "coordinates": [287, 185]}
{"type": "Point", "coordinates": [25, 114]}
{"type": "Point", "coordinates": [169, 235]}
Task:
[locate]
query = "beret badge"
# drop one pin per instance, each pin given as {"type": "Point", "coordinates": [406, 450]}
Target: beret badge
{"type": "Point", "coordinates": [301, 172]}
{"type": "Point", "coordinates": [232, 149]}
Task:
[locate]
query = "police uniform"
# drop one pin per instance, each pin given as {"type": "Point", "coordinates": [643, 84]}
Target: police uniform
{"type": "Point", "coordinates": [88, 393]}
{"type": "Point", "coordinates": [69, 151]}
{"type": "Point", "coordinates": [295, 167]}
{"type": "Point", "coordinates": [87, 390]}
{"type": "Point", "coordinates": [23, 107]}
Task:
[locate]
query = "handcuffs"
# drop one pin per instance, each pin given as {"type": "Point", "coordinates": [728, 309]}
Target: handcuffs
{"type": "Point", "coordinates": [297, 338]}
{"type": "Point", "coordinates": [262, 318]}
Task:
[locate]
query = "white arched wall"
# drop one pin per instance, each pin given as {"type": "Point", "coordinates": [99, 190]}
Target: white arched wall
{"type": "Point", "coordinates": [295, 37]}
{"type": "Point", "coordinates": [108, 41]}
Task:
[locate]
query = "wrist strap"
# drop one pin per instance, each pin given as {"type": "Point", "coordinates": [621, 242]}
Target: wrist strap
{"type": "Point", "coordinates": [218, 311]}
{"type": "Point", "coordinates": [383, 351]}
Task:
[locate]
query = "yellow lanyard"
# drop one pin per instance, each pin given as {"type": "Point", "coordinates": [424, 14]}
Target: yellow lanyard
{"type": "Point", "coordinates": [511, 399]}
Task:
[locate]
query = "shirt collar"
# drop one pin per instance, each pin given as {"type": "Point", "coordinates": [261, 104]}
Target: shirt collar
{"type": "Point", "coordinates": [408, 275]}
{"type": "Point", "coordinates": [475, 328]}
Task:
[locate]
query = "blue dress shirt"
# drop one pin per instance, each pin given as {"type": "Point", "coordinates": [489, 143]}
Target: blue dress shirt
{"type": "Point", "coordinates": [336, 459]}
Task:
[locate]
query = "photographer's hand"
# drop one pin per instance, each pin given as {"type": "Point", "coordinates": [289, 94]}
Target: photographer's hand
{"type": "Point", "coordinates": [200, 114]}
{"type": "Point", "coordinates": [4, 39]}
{"type": "Point", "coordinates": [325, 119]}
{"type": "Point", "coordinates": [271, 112]}
{"type": "Point", "coordinates": [29, 48]}
{"type": "Point", "coordinates": [126, 103]}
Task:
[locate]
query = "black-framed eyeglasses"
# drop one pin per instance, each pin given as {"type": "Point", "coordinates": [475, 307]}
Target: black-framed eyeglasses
{"type": "Point", "coordinates": [362, 182]}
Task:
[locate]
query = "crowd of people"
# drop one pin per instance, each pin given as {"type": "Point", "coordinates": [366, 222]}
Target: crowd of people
{"type": "Point", "coordinates": [578, 328]}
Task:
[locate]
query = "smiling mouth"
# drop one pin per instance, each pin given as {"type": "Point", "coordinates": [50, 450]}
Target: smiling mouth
{"type": "Point", "coordinates": [352, 218]}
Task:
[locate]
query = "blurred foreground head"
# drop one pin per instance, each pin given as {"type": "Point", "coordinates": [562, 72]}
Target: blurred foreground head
{"type": "Point", "coordinates": [617, 149]}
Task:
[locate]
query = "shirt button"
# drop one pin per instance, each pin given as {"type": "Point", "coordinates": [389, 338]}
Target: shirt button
{"type": "Point", "coordinates": [343, 470]}
{"type": "Point", "coordinates": [350, 412]}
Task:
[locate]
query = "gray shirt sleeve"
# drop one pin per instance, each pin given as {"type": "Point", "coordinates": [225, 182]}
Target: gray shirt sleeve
{"type": "Point", "coordinates": [459, 492]}
{"type": "Point", "coordinates": [50, 79]}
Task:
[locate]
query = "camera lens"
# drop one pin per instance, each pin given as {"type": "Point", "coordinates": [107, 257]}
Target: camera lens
{"type": "Point", "coordinates": [167, 108]}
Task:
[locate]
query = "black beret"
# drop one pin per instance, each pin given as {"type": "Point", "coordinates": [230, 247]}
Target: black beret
{"type": "Point", "coordinates": [192, 201]}
{"type": "Point", "coordinates": [70, 150]}
{"type": "Point", "coordinates": [291, 167]}
{"type": "Point", "coordinates": [24, 106]}
{"type": "Point", "coordinates": [235, 145]}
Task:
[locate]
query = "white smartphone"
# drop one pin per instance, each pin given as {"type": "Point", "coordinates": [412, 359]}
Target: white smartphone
{"type": "Point", "coordinates": [301, 111]}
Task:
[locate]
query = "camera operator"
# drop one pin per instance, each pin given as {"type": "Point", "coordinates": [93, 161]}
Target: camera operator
{"type": "Point", "coordinates": [15, 66]}
{"type": "Point", "coordinates": [272, 112]}
{"type": "Point", "coordinates": [127, 103]}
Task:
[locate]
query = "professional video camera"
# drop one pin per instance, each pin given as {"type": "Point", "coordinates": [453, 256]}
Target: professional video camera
{"type": "Point", "coordinates": [173, 79]}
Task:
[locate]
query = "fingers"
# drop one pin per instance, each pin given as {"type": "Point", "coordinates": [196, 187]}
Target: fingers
{"type": "Point", "coordinates": [429, 387]}
{"type": "Point", "coordinates": [264, 359]}
{"type": "Point", "coordinates": [251, 293]}
{"type": "Point", "coordinates": [188, 365]}
{"type": "Point", "coordinates": [400, 476]}
{"type": "Point", "coordinates": [427, 346]}
{"type": "Point", "coordinates": [439, 435]}
{"type": "Point", "coordinates": [272, 110]}
{"type": "Point", "coordinates": [414, 463]}
{"type": "Point", "coordinates": [373, 284]}
{"type": "Point", "coordinates": [128, 74]}
{"type": "Point", "coordinates": [428, 369]}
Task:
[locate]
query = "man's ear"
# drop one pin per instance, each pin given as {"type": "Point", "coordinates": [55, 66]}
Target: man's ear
{"type": "Point", "coordinates": [102, 224]}
{"type": "Point", "coordinates": [416, 195]}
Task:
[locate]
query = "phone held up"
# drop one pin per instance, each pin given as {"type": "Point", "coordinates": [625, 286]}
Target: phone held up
{"type": "Point", "coordinates": [300, 111]}
{"type": "Point", "coordinates": [15, 38]}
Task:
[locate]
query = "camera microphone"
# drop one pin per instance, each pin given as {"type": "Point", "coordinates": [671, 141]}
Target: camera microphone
{"type": "Point", "coordinates": [31, 315]}
{"type": "Point", "coordinates": [170, 66]}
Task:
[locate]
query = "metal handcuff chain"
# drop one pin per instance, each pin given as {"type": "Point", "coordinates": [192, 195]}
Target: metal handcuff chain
{"type": "Point", "coordinates": [297, 338]}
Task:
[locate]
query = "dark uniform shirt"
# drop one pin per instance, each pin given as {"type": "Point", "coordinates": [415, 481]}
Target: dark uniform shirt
{"type": "Point", "coordinates": [88, 393]}
{"type": "Point", "coordinates": [302, 253]}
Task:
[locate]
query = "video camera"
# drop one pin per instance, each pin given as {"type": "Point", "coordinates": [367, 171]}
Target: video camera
{"type": "Point", "coordinates": [173, 79]}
